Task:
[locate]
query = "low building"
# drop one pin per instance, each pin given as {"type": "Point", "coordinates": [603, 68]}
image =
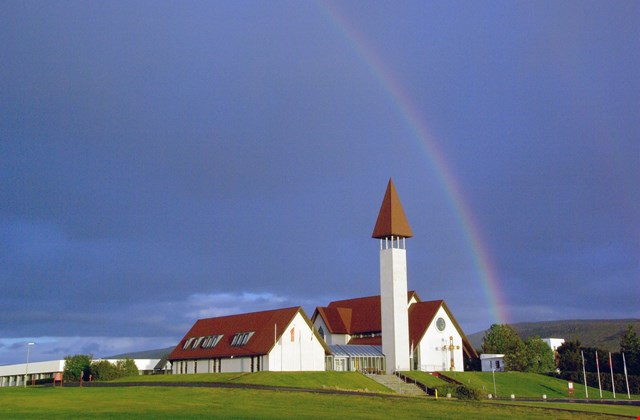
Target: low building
{"type": "Point", "coordinates": [275, 340]}
{"type": "Point", "coordinates": [554, 343]}
{"type": "Point", "coordinates": [492, 362]}
{"type": "Point", "coordinates": [15, 375]}
{"type": "Point", "coordinates": [356, 357]}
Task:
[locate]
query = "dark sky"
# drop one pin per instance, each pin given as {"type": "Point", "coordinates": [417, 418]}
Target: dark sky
{"type": "Point", "coordinates": [166, 161]}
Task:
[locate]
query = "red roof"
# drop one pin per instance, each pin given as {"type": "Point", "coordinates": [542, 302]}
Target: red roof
{"type": "Point", "coordinates": [265, 326]}
{"type": "Point", "coordinates": [421, 315]}
{"type": "Point", "coordinates": [391, 218]}
{"type": "Point", "coordinates": [355, 316]}
{"type": "Point", "coordinates": [370, 341]}
{"type": "Point", "coordinates": [365, 318]}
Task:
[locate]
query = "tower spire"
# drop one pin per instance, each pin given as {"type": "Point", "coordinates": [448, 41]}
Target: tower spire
{"type": "Point", "coordinates": [391, 218]}
{"type": "Point", "coordinates": [392, 224]}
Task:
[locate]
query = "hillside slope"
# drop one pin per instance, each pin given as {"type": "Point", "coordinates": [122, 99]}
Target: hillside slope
{"type": "Point", "coordinates": [603, 334]}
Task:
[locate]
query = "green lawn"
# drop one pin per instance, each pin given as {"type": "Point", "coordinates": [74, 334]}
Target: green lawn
{"type": "Point", "coordinates": [528, 385]}
{"type": "Point", "coordinates": [352, 381]}
{"type": "Point", "coordinates": [427, 379]}
{"type": "Point", "coordinates": [180, 402]}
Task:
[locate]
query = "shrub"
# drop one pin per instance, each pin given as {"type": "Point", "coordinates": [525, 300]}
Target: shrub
{"type": "Point", "coordinates": [77, 366]}
{"type": "Point", "coordinates": [103, 371]}
{"type": "Point", "coordinates": [463, 392]}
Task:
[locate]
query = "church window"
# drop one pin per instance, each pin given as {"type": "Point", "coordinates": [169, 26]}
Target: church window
{"type": "Point", "coordinates": [321, 332]}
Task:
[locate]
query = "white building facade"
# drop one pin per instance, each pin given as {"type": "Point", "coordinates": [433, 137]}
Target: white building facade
{"type": "Point", "coordinates": [280, 340]}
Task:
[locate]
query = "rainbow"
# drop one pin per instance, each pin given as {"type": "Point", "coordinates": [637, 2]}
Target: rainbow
{"type": "Point", "coordinates": [399, 98]}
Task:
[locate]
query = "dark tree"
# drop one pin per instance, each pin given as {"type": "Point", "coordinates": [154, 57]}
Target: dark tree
{"type": "Point", "coordinates": [569, 357]}
{"type": "Point", "coordinates": [502, 339]}
{"type": "Point", "coordinates": [76, 367]}
{"type": "Point", "coordinates": [630, 346]}
{"type": "Point", "coordinates": [539, 356]}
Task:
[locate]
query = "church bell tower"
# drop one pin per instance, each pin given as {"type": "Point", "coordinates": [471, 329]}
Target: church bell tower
{"type": "Point", "coordinates": [392, 228]}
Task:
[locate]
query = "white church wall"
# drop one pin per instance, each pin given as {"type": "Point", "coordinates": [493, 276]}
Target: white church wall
{"type": "Point", "coordinates": [435, 352]}
{"type": "Point", "coordinates": [393, 305]}
{"type": "Point", "coordinates": [329, 338]}
{"type": "Point", "coordinates": [298, 349]}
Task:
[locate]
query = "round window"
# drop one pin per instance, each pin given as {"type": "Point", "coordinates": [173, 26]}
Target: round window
{"type": "Point", "coordinates": [441, 324]}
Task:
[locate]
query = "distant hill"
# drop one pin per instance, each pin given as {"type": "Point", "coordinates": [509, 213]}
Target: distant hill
{"type": "Point", "coordinates": [146, 354]}
{"type": "Point", "coordinates": [602, 334]}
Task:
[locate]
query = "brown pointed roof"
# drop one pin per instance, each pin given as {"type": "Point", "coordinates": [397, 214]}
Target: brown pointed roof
{"type": "Point", "coordinates": [391, 218]}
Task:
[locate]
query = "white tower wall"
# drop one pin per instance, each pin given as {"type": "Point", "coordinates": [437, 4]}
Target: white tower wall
{"type": "Point", "coordinates": [393, 302]}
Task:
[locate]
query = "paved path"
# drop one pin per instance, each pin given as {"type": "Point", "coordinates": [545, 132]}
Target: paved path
{"type": "Point", "coordinates": [398, 385]}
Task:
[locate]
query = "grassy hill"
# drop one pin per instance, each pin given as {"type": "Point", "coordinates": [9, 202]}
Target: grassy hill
{"type": "Point", "coordinates": [353, 381]}
{"type": "Point", "coordinates": [603, 334]}
{"type": "Point", "coordinates": [198, 402]}
{"type": "Point", "coordinates": [520, 384]}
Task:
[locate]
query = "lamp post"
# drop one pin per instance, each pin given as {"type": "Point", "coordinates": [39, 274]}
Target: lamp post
{"type": "Point", "coordinates": [26, 372]}
{"type": "Point", "coordinates": [495, 392]}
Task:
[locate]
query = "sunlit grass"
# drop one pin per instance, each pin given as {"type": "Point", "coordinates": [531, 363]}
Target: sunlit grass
{"type": "Point", "coordinates": [353, 381]}
{"type": "Point", "coordinates": [183, 402]}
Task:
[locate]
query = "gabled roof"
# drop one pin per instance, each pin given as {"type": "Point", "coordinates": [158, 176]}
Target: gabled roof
{"type": "Point", "coordinates": [267, 327]}
{"type": "Point", "coordinates": [421, 316]}
{"type": "Point", "coordinates": [338, 320]}
{"type": "Point", "coordinates": [391, 218]}
{"type": "Point", "coordinates": [355, 316]}
{"type": "Point", "coordinates": [365, 318]}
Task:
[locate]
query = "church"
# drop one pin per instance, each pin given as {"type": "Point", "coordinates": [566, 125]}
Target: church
{"type": "Point", "coordinates": [394, 331]}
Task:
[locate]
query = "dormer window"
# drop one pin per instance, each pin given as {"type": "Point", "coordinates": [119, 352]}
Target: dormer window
{"type": "Point", "coordinates": [188, 343]}
{"type": "Point", "coordinates": [211, 341]}
{"type": "Point", "coordinates": [204, 342]}
{"type": "Point", "coordinates": [197, 342]}
{"type": "Point", "coordinates": [241, 339]}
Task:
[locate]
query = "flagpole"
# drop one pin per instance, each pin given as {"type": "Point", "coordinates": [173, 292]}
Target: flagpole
{"type": "Point", "coordinates": [584, 374]}
{"type": "Point", "coordinates": [626, 378]}
{"type": "Point", "coordinates": [613, 383]}
{"type": "Point", "coordinates": [598, 368]}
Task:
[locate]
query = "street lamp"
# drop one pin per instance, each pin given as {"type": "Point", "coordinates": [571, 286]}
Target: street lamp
{"type": "Point", "coordinates": [26, 372]}
{"type": "Point", "coordinates": [495, 392]}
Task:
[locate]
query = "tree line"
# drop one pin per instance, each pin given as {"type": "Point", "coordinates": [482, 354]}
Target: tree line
{"type": "Point", "coordinates": [534, 355]}
{"type": "Point", "coordinates": [83, 367]}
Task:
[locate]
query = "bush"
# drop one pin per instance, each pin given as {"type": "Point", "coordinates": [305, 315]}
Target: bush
{"type": "Point", "coordinates": [77, 366]}
{"type": "Point", "coordinates": [105, 371]}
{"type": "Point", "coordinates": [463, 392]}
